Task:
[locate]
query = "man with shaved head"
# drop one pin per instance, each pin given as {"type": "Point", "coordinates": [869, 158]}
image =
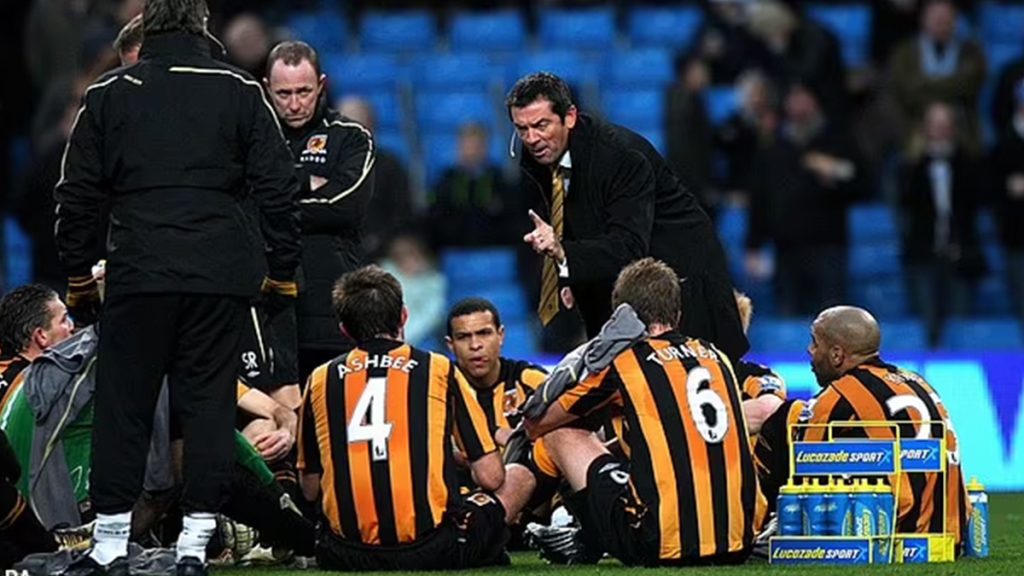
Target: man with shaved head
{"type": "Point", "coordinates": [859, 386]}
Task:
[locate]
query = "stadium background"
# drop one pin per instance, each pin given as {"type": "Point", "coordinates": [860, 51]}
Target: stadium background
{"type": "Point", "coordinates": [427, 70]}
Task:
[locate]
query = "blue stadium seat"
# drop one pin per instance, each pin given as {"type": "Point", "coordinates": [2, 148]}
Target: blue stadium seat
{"type": "Point", "coordinates": [393, 141]}
{"type": "Point", "coordinates": [669, 27]}
{"type": "Point", "coordinates": [461, 71]}
{"type": "Point", "coordinates": [885, 297]}
{"type": "Point", "coordinates": [994, 256]}
{"type": "Point", "coordinates": [904, 336]}
{"type": "Point", "coordinates": [440, 151]}
{"type": "Point", "coordinates": [775, 336]}
{"type": "Point", "coordinates": [635, 109]}
{"type": "Point", "coordinates": [722, 103]}
{"type": "Point", "coordinates": [976, 335]}
{"type": "Point", "coordinates": [582, 29]}
{"type": "Point", "coordinates": [874, 260]}
{"type": "Point", "coordinates": [987, 228]}
{"type": "Point", "coordinates": [406, 31]}
{"type": "Point", "coordinates": [1002, 22]}
{"type": "Point", "coordinates": [503, 30]}
{"type": "Point", "coordinates": [999, 54]}
{"type": "Point", "coordinates": [762, 293]}
{"type": "Point", "coordinates": [509, 299]}
{"type": "Point", "coordinates": [19, 254]}
{"type": "Point", "coordinates": [570, 65]}
{"type": "Point", "coordinates": [363, 73]}
{"type": "Point", "coordinates": [872, 223]}
{"type": "Point", "coordinates": [520, 339]}
{"type": "Point", "coordinates": [848, 21]}
{"type": "Point", "coordinates": [325, 30]}
{"type": "Point", "coordinates": [479, 266]}
{"type": "Point", "coordinates": [851, 23]}
{"type": "Point", "coordinates": [732, 224]}
{"type": "Point", "coordinates": [655, 135]}
{"type": "Point", "coordinates": [437, 111]}
{"type": "Point", "coordinates": [992, 297]}
{"type": "Point", "coordinates": [647, 68]}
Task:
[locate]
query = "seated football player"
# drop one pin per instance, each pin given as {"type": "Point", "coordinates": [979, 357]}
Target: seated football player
{"type": "Point", "coordinates": [687, 492]}
{"type": "Point", "coordinates": [857, 385]}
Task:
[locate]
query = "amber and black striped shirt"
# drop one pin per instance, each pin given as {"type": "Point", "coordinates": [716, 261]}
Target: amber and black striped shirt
{"type": "Point", "coordinates": [517, 380]}
{"type": "Point", "coordinates": [689, 455]}
{"type": "Point", "coordinates": [878, 391]}
{"type": "Point", "coordinates": [376, 424]}
{"type": "Point", "coordinates": [757, 380]}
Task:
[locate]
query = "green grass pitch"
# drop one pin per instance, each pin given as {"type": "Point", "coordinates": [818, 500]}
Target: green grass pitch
{"type": "Point", "coordinates": [1006, 518]}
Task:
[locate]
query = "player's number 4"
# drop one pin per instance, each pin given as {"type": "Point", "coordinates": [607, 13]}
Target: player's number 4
{"type": "Point", "coordinates": [368, 423]}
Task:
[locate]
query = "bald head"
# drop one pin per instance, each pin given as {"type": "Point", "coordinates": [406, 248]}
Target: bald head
{"type": "Point", "coordinates": [357, 109]}
{"type": "Point", "coordinates": [842, 338]}
{"type": "Point", "coordinates": [855, 329]}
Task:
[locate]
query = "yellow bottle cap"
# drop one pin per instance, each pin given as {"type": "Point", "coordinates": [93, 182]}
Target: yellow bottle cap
{"type": "Point", "coordinates": [974, 485]}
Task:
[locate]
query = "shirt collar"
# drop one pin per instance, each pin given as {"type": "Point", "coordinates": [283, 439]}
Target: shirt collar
{"type": "Point", "coordinates": [566, 161]}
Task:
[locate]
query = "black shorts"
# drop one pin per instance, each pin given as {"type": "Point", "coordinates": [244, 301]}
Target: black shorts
{"type": "Point", "coordinates": [607, 508]}
{"type": "Point", "coordinates": [270, 356]}
{"type": "Point", "coordinates": [472, 534]}
{"type": "Point", "coordinates": [628, 529]}
{"type": "Point", "coordinates": [256, 361]}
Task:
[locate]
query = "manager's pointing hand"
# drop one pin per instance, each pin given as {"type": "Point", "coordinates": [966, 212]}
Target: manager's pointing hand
{"type": "Point", "coordinates": [543, 239]}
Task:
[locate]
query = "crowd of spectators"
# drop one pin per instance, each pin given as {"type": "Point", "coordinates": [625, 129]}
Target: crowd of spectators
{"type": "Point", "coordinates": [811, 135]}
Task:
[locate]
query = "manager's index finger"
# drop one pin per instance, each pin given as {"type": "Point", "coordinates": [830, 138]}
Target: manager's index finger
{"type": "Point", "coordinates": [537, 220]}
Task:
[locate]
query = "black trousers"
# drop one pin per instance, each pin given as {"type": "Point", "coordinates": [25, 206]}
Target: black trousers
{"type": "Point", "coordinates": [194, 340]}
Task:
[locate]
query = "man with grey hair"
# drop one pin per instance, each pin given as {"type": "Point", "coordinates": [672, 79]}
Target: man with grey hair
{"type": "Point", "coordinates": [129, 41]}
{"type": "Point", "coordinates": [176, 145]}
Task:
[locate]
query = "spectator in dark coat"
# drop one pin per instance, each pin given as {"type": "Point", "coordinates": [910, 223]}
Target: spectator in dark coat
{"type": "Point", "coordinates": [799, 50]}
{"type": "Point", "coordinates": [688, 132]}
{"type": "Point", "coordinates": [391, 208]}
{"type": "Point", "coordinates": [939, 200]}
{"type": "Point", "coordinates": [802, 186]}
{"type": "Point", "coordinates": [936, 65]}
{"type": "Point", "coordinates": [472, 204]}
{"type": "Point", "coordinates": [741, 136]}
{"type": "Point", "coordinates": [1004, 100]}
{"type": "Point", "coordinates": [1007, 166]}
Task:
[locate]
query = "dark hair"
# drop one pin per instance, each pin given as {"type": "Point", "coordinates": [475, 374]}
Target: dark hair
{"type": "Point", "coordinates": [22, 310]}
{"type": "Point", "coordinates": [130, 36]}
{"type": "Point", "coordinates": [652, 289]}
{"type": "Point", "coordinates": [368, 303]}
{"type": "Point", "coordinates": [292, 53]}
{"type": "Point", "coordinates": [540, 86]}
{"type": "Point", "coordinates": [468, 306]}
{"type": "Point", "coordinates": [161, 16]}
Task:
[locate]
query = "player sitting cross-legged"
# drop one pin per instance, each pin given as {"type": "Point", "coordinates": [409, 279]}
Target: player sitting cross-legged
{"type": "Point", "coordinates": [375, 446]}
{"type": "Point", "coordinates": [859, 386]}
{"type": "Point", "coordinates": [686, 494]}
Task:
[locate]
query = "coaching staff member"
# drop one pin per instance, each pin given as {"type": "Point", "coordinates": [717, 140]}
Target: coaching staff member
{"type": "Point", "coordinates": [174, 143]}
{"type": "Point", "coordinates": [611, 199]}
{"type": "Point", "coordinates": [334, 158]}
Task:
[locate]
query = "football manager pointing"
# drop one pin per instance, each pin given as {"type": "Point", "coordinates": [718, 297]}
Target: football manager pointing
{"type": "Point", "coordinates": [610, 199]}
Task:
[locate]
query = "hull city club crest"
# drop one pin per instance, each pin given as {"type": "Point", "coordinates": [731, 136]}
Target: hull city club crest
{"type": "Point", "coordinates": [316, 144]}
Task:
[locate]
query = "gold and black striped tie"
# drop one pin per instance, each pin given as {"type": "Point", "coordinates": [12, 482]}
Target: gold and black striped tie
{"type": "Point", "coordinates": [548, 307]}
